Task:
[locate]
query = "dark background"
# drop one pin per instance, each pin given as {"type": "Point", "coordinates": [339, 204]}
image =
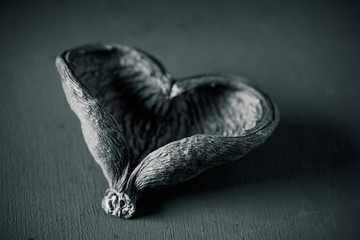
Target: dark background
{"type": "Point", "coordinates": [303, 183]}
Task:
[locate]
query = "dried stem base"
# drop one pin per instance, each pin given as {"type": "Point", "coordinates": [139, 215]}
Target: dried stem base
{"type": "Point", "coordinates": [118, 204]}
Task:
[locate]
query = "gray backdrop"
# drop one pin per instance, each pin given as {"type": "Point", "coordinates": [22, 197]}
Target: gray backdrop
{"type": "Point", "coordinates": [303, 183]}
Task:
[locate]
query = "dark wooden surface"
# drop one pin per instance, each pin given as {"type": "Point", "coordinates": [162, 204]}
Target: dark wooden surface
{"type": "Point", "coordinates": [303, 183]}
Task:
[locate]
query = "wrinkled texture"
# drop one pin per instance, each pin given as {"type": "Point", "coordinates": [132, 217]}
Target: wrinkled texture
{"type": "Point", "coordinates": [148, 130]}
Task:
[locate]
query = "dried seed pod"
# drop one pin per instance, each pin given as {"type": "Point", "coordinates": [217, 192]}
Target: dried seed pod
{"type": "Point", "coordinates": [148, 130]}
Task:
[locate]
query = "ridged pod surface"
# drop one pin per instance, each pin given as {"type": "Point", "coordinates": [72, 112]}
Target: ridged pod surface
{"type": "Point", "coordinates": [148, 130]}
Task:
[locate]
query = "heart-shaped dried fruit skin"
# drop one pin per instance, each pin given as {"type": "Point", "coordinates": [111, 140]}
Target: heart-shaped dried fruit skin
{"type": "Point", "coordinates": [147, 129]}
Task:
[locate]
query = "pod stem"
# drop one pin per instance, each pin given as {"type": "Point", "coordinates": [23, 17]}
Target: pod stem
{"type": "Point", "coordinates": [118, 204]}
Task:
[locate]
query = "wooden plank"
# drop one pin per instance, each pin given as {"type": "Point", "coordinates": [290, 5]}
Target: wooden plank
{"type": "Point", "coordinates": [303, 183]}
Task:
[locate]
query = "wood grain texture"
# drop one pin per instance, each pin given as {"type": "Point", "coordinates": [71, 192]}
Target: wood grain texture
{"type": "Point", "coordinates": [303, 183]}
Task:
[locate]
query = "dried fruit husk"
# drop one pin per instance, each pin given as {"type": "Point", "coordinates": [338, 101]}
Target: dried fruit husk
{"type": "Point", "coordinates": [148, 130]}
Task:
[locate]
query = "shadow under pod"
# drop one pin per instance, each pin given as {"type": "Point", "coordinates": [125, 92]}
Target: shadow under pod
{"type": "Point", "coordinates": [297, 147]}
